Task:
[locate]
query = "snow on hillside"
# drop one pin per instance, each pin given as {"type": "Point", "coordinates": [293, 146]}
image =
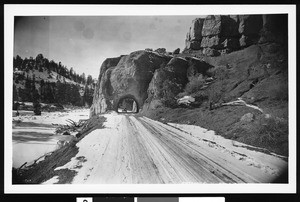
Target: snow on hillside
{"type": "Point", "coordinates": [53, 77]}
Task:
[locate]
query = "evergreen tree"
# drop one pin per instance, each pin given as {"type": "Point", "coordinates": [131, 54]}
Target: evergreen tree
{"type": "Point", "coordinates": [60, 92]}
{"type": "Point", "coordinates": [88, 95]}
{"type": "Point", "coordinates": [36, 102]}
{"type": "Point", "coordinates": [42, 90]}
{"type": "Point", "coordinates": [17, 62]}
{"type": "Point", "coordinates": [89, 80]}
{"type": "Point", "coordinates": [26, 93]}
{"type": "Point", "coordinates": [83, 80]}
{"type": "Point", "coordinates": [50, 93]}
{"type": "Point", "coordinates": [15, 93]}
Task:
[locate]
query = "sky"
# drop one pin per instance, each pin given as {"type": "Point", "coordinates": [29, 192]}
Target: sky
{"type": "Point", "coordinates": [84, 42]}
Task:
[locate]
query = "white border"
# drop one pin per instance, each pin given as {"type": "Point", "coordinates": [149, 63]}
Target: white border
{"type": "Point", "coordinates": [142, 10]}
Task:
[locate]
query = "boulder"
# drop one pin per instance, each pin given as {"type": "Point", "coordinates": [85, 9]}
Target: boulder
{"type": "Point", "coordinates": [178, 66]}
{"type": "Point", "coordinates": [186, 100]}
{"type": "Point", "coordinates": [166, 83]}
{"type": "Point", "coordinates": [176, 51]}
{"type": "Point", "coordinates": [247, 117]}
{"type": "Point", "coordinates": [129, 78]}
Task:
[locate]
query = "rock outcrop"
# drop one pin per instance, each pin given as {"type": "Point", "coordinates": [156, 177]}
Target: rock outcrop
{"type": "Point", "coordinates": [147, 77]}
{"type": "Point", "coordinates": [155, 78]}
{"type": "Point", "coordinates": [166, 83]}
{"type": "Point", "coordinates": [123, 76]}
{"type": "Point", "coordinates": [221, 34]}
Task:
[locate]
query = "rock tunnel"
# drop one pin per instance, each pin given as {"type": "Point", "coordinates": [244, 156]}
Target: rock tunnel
{"type": "Point", "coordinates": [127, 104]}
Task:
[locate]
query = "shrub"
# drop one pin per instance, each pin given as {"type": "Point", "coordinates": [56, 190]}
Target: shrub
{"type": "Point", "coordinates": [59, 106]}
{"type": "Point", "coordinates": [200, 96]}
{"type": "Point", "coordinates": [195, 84]}
{"type": "Point", "coordinates": [279, 93]}
{"type": "Point", "coordinates": [170, 90]}
{"type": "Point", "coordinates": [37, 108]}
{"type": "Point", "coordinates": [182, 94]}
{"type": "Point", "coordinates": [211, 72]}
{"type": "Point", "coordinates": [272, 131]}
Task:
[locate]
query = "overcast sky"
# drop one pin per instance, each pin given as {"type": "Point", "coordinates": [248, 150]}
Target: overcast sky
{"type": "Point", "coordinates": [85, 42]}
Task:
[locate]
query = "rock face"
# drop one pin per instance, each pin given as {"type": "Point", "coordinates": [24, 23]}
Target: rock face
{"type": "Point", "coordinates": [166, 83]}
{"type": "Point", "coordinates": [155, 78]}
{"type": "Point", "coordinates": [221, 34]}
{"type": "Point", "coordinates": [147, 77]}
{"type": "Point", "coordinates": [125, 76]}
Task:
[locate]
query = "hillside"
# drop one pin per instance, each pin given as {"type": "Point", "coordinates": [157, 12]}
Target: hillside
{"type": "Point", "coordinates": [49, 82]}
{"type": "Point", "coordinates": [238, 75]}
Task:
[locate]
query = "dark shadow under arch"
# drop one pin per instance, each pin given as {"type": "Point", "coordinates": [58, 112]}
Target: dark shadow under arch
{"type": "Point", "coordinates": [125, 104]}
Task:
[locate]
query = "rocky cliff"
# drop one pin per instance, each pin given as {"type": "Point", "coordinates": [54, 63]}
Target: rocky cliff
{"type": "Point", "coordinates": [251, 50]}
{"type": "Point", "coordinates": [222, 34]}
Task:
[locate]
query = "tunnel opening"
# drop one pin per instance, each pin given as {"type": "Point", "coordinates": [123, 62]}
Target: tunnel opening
{"type": "Point", "coordinates": [127, 104]}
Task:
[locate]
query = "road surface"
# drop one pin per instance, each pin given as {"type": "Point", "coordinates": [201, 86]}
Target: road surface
{"type": "Point", "coordinates": [135, 149]}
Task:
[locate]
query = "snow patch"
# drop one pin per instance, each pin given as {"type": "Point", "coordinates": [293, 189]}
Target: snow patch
{"type": "Point", "coordinates": [234, 148]}
{"type": "Point", "coordinates": [53, 180]}
{"type": "Point", "coordinates": [32, 142]}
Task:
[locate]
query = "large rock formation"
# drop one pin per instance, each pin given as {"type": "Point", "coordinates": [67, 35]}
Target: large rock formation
{"type": "Point", "coordinates": [221, 34]}
{"type": "Point", "coordinates": [154, 78]}
{"type": "Point", "coordinates": [125, 76]}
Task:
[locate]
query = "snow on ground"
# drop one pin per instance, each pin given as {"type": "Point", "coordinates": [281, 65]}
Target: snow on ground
{"type": "Point", "coordinates": [239, 101]}
{"type": "Point", "coordinates": [140, 150]}
{"type": "Point", "coordinates": [53, 180]}
{"type": "Point", "coordinates": [52, 77]}
{"type": "Point", "coordinates": [101, 138]}
{"type": "Point", "coordinates": [53, 117]}
{"type": "Point", "coordinates": [34, 136]}
{"type": "Point", "coordinates": [209, 136]}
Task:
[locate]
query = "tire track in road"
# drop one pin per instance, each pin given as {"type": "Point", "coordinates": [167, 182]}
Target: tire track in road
{"type": "Point", "coordinates": [138, 150]}
{"type": "Point", "coordinates": [195, 166]}
{"type": "Point", "coordinates": [222, 163]}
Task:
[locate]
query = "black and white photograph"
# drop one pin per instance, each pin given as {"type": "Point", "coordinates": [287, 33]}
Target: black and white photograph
{"type": "Point", "coordinates": [118, 98]}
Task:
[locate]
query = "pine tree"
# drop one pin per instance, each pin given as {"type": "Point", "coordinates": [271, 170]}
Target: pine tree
{"type": "Point", "coordinates": [26, 93]}
{"type": "Point", "coordinates": [60, 93]}
{"type": "Point", "coordinates": [42, 90]}
{"type": "Point", "coordinates": [89, 80]}
{"type": "Point", "coordinates": [17, 62]}
{"type": "Point", "coordinates": [36, 102]}
{"type": "Point", "coordinates": [15, 93]}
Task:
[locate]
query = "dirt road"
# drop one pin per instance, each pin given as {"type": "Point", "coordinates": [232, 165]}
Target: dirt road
{"type": "Point", "coordinates": [140, 150]}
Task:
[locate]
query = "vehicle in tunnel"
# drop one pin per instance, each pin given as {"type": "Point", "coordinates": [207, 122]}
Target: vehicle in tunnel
{"type": "Point", "coordinates": [127, 105]}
